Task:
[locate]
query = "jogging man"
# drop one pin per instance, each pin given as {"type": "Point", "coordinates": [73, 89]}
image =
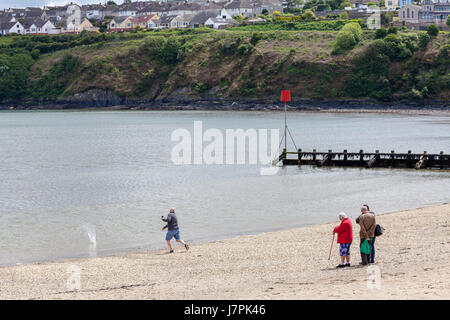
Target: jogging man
{"type": "Point", "coordinates": [173, 231]}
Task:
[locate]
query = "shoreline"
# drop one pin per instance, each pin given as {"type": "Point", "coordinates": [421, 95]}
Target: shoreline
{"type": "Point", "coordinates": [301, 105]}
{"type": "Point", "coordinates": [236, 260]}
{"type": "Point", "coordinates": [409, 112]}
{"type": "Point", "coordinates": [199, 241]}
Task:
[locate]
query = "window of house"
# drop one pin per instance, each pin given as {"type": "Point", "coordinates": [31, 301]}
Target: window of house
{"type": "Point", "coordinates": [407, 12]}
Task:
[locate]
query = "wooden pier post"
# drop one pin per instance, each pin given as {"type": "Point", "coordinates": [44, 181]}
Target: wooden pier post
{"type": "Point", "coordinates": [392, 158]}
{"type": "Point", "coordinates": [441, 160]}
{"type": "Point", "coordinates": [299, 157]}
{"type": "Point", "coordinates": [326, 159]}
{"type": "Point", "coordinates": [373, 161]}
{"type": "Point", "coordinates": [314, 155]}
{"type": "Point", "coordinates": [422, 162]}
{"type": "Point", "coordinates": [409, 163]}
{"type": "Point", "coordinates": [345, 157]}
{"type": "Point", "coordinates": [361, 156]}
{"type": "Point", "coordinates": [283, 156]}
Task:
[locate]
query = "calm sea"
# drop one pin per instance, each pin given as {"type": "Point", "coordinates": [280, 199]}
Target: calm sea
{"type": "Point", "coordinates": [76, 184]}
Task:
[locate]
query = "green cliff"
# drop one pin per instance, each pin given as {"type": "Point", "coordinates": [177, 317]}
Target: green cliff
{"type": "Point", "coordinates": [186, 66]}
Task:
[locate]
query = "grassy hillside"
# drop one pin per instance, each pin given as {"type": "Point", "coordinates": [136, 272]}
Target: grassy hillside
{"type": "Point", "coordinates": [233, 65]}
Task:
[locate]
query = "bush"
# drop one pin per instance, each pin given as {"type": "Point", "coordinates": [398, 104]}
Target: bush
{"type": "Point", "coordinates": [343, 15]}
{"type": "Point", "coordinates": [370, 74]}
{"type": "Point", "coordinates": [355, 29]}
{"type": "Point", "coordinates": [14, 71]}
{"type": "Point", "coordinates": [432, 30]}
{"type": "Point", "coordinates": [255, 38]}
{"type": "Point", "coordinates": [35, 53]}
{"type": "Point", "coordinates": [395, 48]}
{"type": "Point", "coordinates": [424, 38]}
{"type": "Point", "coordinates": [348, 37]}
{"type": "Point", "coordinates": [245, 50]}
{"type": "Point", "coordinates": [380, 33]}
{"type": "Point", "coordinates": [392, 30]}
{"type": "Point", "coordinates": [169, 51]}
{"type": "Point", "coordinates": [345, 40]}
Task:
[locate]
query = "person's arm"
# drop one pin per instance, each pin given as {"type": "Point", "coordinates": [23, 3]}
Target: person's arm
{"type": "Point", "coordinates": [168, 219]}
{"type": "Point", "coordinates": [341, 228]}
{"type": "Point", "coordinates": [164, 227]}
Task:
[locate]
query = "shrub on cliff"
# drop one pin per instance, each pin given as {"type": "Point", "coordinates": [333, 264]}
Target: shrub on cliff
{"type": "Point", "coordinates": [424, 38]}
{"type": "Point", "coordinates": [380, 33]}
{"type": "Point", "coordinates": [169, 51]}
{"type": "Point", "coordinates": [370, 74]}
{"type": "Point", "coordinates": [14, 71]}
{"type": "Point", "coordinates": [432, 30]}
{"type": "Point", "coordinates": [395, 48]}
{"type": "Point", "coordinates": [53, 84]}
{"type": "Point", "coordinates": [345, 40]}
{"type": "Point", "coordinates": [348, 37]}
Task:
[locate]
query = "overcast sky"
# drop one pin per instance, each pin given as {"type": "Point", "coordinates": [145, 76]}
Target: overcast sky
{"type": "Point", "coordinates": [41, 3]}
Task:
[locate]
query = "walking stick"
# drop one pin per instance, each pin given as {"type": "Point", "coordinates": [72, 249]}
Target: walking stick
{"type": "Point", "coordinates": [332, 241]}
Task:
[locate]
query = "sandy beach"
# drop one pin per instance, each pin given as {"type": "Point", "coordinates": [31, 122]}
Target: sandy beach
{"type": "Point", "coordinates": [412, 259]}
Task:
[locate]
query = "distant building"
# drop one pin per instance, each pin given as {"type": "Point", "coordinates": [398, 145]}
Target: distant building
{"type": "Point", "coordinates": [120, 24]}
{"type": "Point", "coordinates": [430, 12]}
{"type": "Point", "coordinates": [392, 4]}
{"type": "Point", "coordinates": [403, 3]}
{"type": "Point", "coordinates": [200, 18]}
{"type": "Point", "coordinates": [7, 26]}
{"type": "Point", "coordinates": [39, 26]}
{"type": "Point", "coordinates": [145, 22]}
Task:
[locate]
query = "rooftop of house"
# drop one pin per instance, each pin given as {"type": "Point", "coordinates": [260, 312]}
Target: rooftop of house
{"type": "Point", "coordinates": [119, 19]}
{"type": "Point", "coordinates": [38, 22]}
{"type": "Point", "coordinates": [166, 19]}
{"type": "Point", "coordinates": [133, 6]}
{"type": "Point", "coordinates": [143, 19]}
{"type": "Point", "coordinates": [6, 24]}
{"type": "Point", "coordinates": [201, 17]}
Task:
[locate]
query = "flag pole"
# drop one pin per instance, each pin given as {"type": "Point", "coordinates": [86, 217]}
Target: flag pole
{"type": "Point", "coordinates": [285, 125]}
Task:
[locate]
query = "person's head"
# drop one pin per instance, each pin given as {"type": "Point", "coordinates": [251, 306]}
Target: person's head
{"type": "Point", "coordinates": [365, 205]}
{"type": "Point", "coordinates": [172, 210]}
{"type": "Point", "coordinates": [364, 209]}
{"type": "Point", "coordinates": [342, 216]}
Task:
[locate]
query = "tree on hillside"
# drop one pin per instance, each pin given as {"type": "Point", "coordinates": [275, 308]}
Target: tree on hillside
{"type": "Point", "coordinates": [432, 30]}
{"type": "Point", "coordinates": [448, 21]}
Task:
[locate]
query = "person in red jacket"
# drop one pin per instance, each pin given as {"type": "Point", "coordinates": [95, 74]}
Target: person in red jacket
{"type": "Point", "coordinates": [345, 239]}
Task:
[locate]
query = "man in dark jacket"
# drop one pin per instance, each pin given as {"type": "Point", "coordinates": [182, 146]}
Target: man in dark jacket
{"type": "Point", "coordinates": [173, 231]}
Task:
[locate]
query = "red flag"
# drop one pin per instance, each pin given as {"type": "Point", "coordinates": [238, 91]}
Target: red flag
{"type": "Point", "coordinates": [285, 95]}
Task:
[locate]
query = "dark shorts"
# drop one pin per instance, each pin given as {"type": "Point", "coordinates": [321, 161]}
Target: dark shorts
{"type": "Point", "coordinates": [344, 249]}
{"type": "Point", "coordinates": [173, 234]}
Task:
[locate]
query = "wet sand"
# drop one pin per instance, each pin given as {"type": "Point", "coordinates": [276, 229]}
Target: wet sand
{"type": "Point", "coordinates": [412, 261]}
